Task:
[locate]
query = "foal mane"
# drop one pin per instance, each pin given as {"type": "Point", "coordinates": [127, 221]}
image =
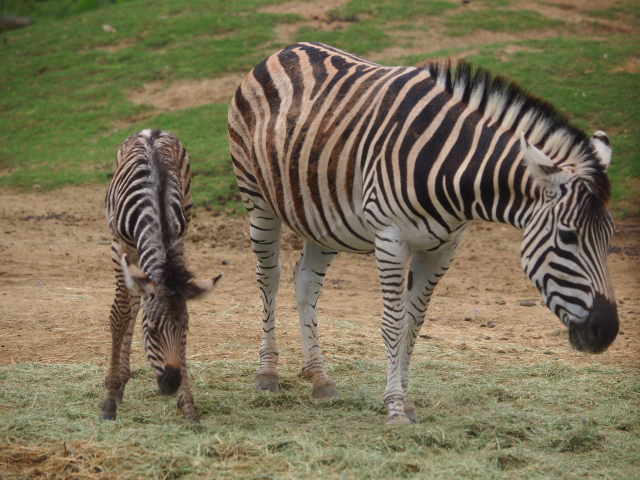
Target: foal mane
{"type": "Point", "coordinates": [508, 105]}
{"type": "Point", "coordinates": [175, 275]}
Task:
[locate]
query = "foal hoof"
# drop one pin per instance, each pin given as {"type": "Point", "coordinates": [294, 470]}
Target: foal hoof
{"type": "Point", "coordinates": [267, 381]}
{"type": "Point", "coordinates": [398, 419]}
{"type": "Point", "coordinates": [107, 416]}
{"type": "Point", "coordinates": [327, 390]}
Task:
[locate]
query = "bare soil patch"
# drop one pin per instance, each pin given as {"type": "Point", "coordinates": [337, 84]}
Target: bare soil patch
{"type": "Point", "coordinates": [187, 93]}
{"type": "Point", "coordinates": [56, 287]}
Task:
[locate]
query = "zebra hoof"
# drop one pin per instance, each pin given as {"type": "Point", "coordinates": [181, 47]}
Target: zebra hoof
{"type": "Point", "coordinates": [267, 381]}
{"type": "Point", "coordinates": [396, 420]}
{"type": "Point", "coordinates": [107, 416]}
{"type": "Point", "coordinates": [410, 412]}
{"type": "Point", "coordinates": [327, 390]}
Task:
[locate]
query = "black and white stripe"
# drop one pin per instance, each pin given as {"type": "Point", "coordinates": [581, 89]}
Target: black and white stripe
{"type": "Point", "coordinates": [358, 157]}
{"type": "Point", "coordinates": [148, 207]}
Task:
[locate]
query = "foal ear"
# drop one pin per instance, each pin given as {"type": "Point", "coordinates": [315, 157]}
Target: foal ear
{"type": "Point", "coordinates": [602, 146]}
{"type": "Point", "coordinates": [197, 289]}
{"type": "Point", "coordinates": [137, 281]}
{"type": "Point", "coordinates": [542, 169]}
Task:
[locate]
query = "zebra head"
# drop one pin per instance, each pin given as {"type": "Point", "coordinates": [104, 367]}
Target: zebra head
{"type": "Point", "coordinates": [165, 321]}
{"type": "Point", "coordinates": [566, 239]}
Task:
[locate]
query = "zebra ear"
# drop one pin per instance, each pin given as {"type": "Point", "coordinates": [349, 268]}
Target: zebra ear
{"type": "Point", "coordinates": [602, 146]}
{"type": "Point", "coordinates": [197, 289]}
{"type": "Point", "coordinates": [542, 169]}
{"type": "Point", "coordinates": [137, 281]}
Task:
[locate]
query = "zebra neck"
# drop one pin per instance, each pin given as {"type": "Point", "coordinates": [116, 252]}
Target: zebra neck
{"type": "Point", "coordinates": [487, 182]}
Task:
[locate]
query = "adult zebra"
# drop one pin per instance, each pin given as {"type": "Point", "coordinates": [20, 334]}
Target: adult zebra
{"type": "Point", "coordinates": [148, 208]}
{"type": "Point", "coordinates": [359, 157]}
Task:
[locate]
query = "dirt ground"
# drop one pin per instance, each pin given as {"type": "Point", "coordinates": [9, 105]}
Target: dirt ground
{"type": "Point", "coordinates": [56, 287]}
{"type": "Point", "coordinates": [56, 283]}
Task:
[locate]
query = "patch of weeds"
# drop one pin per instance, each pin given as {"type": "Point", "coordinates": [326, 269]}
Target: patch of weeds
{"type": "Point", "coordinates": [282, 445]}
{"type": "Point", "coordinates": [390, 11]}
{"type": "Point", "coordinates": [509, 460]}
{"type": "Point", "coordinates": [430, 438]}
{"type": "Point", "coordinates": [628, 10]}
{"type": "Point", "coordinates": [496, 20]}
{"type": "Point", "coordinates": [579, 440]}
{"type": "Point", "coordinates": [359, 38]}
{"type": "Point", "coordinates": [264, 399]}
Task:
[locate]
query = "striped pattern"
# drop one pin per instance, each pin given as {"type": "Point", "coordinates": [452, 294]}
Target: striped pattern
{"type": "Point", "coordinates": [358, 157]}
{"type": "Point", "coordinates": [148, 207]}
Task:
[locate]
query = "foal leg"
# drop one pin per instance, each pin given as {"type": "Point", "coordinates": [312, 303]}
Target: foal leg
{"type": "Point", "coordinates": [121, 323]}
{"type": "Point", "coordinates": [184, 396]}
{"type": "Point", "coordinates": [308, 276]}
{"type": "Point", "coordinates": [265, 232]}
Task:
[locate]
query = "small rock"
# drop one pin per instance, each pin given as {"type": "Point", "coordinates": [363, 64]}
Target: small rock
{"type": "Point", "coordinates": [527, 303]}
{"type": "Point", "coordinates": [491, 324]}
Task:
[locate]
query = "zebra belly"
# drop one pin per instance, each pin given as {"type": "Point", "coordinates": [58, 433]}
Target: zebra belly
{"type": "Point", "coordinates": [342, 231]}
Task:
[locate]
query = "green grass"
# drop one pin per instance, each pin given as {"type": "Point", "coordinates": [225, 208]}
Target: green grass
{"type": "Point", "coordinates": [44, 11]}
{"type": "Point", "coordinates": [64, 81]}
{"type": "Point", "coordinates": [496, 20]}
{"type": "Point", "coordinates": [546, 420]}
{"type": "Point", "coordinates": [382, 11]}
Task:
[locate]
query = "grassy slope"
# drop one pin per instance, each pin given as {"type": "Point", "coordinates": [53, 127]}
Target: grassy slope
{"type": "Point", "coordinates": [63, 83]}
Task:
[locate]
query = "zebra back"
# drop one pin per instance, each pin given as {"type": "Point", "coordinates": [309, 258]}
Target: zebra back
{"type": "Point", "coordinates": [149, 203]}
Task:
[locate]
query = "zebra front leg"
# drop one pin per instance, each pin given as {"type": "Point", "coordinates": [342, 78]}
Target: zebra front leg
{"type": "Point", "coordinates": [121, 323]}
{"type": "Point", "coordinates": [184, 396]}
{"type": "Point", "coordinates": [125, 350]}
{"type": "Point", "coordinates": [426, 270]}
{"type": "Point", "coordinates": [392, 256]}
{"type": "Point", "coordinates": [266, 230]}
{"type": "Point", "coordinates": [309, 274]}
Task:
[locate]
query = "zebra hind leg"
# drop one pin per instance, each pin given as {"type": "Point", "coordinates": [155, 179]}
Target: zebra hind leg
{"type": "Point", "coordinates": [309, 274]}
{"type": "Point", "coordinates": [266, 232]}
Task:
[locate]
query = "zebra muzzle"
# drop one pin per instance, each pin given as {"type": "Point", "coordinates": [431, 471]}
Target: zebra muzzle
{"type": "Point", "coordinates": [170, 379]}
{"type": "Point", "coordinates": [599, 330]}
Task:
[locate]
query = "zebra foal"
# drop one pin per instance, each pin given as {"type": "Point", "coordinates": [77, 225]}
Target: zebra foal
{"type": "Point", "coordinates": [148, 207]}
{"type": "Point", "coordinates": [358, 157]}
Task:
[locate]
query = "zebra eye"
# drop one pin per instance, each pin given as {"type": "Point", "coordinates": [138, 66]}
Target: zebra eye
{"type": "Point", "coordinates": [568, 236]}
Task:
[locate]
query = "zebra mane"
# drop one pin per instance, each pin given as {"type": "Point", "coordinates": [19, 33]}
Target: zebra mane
{"type": "Point", "coordinates": [507, 104]}
{"type": "Point", "coordinates": [174, 275]}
